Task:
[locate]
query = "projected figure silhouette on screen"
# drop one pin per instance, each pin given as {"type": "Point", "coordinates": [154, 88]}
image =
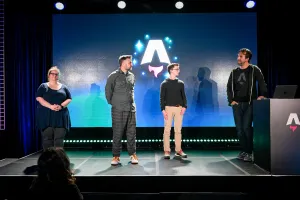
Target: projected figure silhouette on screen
{"type": "Point", "coordinates": [96, 108]}
{"type": "Point", "coordinates": [151, 106]}
{"type": "Point", "coordinates": [191, 90]}
{"type": "Point", "coordinates": [207, 98]}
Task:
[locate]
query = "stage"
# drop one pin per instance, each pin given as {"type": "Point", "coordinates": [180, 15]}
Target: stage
{"type": "Point", "coordinates": [204, 171]}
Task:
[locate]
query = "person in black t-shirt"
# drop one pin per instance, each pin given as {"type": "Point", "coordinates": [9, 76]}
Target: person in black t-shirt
{"type": "Point", "coordinates": [173, 105]}
{"type": "Point", "coordinates": [241, 91]}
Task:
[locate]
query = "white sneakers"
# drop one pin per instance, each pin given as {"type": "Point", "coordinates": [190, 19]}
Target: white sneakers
{"type": "Point", "coordinates": [133, 160]}
{"type": "Point", "coordinates": [115, 160]}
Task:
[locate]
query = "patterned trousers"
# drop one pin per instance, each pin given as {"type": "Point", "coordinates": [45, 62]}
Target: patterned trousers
{"type": "Point", "coordinates": [123, 121]}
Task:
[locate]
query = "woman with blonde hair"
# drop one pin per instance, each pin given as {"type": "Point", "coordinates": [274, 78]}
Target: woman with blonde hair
{"type": "Point", "coordinates": [53, 118]}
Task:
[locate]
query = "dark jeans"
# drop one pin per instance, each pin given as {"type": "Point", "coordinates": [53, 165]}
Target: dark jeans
{"type": "Point", "coordinates": [53, 137]}
{"type": "Point", "coordinates": [123, 121]}
{"type": "Point", "coordinates": [243, 117]}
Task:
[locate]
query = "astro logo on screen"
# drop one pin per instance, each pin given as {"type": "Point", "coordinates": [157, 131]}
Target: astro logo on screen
{"type": "Point", "coordinates": [293, 117]}
{"type": "Point", "coordinates": [153, 55]}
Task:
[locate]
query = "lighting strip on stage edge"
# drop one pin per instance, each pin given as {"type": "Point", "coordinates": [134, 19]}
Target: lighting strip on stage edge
{"type": "Point", "coordinates": [158, 140]}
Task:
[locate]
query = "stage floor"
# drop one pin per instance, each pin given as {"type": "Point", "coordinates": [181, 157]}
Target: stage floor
{"type": "Point", "coordinates": [204, 171]}
{"type": "Point", "coordinates": [151, 163]}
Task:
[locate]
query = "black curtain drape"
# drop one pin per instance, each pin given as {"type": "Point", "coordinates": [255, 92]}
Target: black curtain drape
{"type": "Point", "coordinates": [28, 56]}
{"type": "Point", "coordinates": [277, 39]}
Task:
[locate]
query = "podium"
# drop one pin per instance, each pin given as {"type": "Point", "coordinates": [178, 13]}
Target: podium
{"type": "Point", "coordinates": [276, 135]}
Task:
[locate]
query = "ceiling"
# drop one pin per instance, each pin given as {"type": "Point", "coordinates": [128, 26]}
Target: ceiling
{"type": "Point", "coordinates": [132, 6]}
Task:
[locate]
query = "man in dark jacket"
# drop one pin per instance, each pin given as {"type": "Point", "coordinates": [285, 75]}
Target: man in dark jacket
{"type": "Point", "coordinates": [241, 91]}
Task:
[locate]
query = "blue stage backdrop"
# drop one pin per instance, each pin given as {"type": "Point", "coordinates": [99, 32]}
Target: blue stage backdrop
{"type": "Point", "coordinates": [86, 48]}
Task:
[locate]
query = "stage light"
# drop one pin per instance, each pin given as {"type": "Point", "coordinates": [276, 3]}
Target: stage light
{"type": "Point", "coordinates": [59, 6]}
{"type": "Point", "coordinates": [179, 5]}
{"type": "Point", "coordinates": [121, 4]}
{"type": "Point", "coordinates": [250, 4]}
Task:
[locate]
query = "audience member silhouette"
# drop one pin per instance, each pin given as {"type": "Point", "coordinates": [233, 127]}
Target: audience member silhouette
{"type": "Point", "coordinates": [55, 179]}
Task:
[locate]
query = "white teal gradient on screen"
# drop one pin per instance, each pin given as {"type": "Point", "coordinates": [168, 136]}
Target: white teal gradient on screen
{"type": "Point", "coordinates": [86, 48]}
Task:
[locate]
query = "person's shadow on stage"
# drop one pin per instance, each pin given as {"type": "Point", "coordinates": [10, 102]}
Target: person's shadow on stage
{"type": "Point", "coordinates": [33, 170]}
{"type": "Point", "coordinates": [120, 169]}
{"type": "Point", "coordinates": [167, 166]}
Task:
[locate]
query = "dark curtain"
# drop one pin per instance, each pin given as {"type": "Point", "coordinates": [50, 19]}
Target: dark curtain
{"type": "Point", "coordinates": [277, 39]}
{"type": "Point", "coordinates": [28, 56]}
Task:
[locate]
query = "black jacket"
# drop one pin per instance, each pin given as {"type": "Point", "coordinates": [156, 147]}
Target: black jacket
{"type": "Point", "coordinates": [255, 75]}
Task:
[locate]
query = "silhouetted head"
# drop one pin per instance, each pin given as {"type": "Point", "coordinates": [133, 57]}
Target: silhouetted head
{"type": "Point", "coordinates": [95, 89]}
{"type": "Point", "coordinates": [54, 166]}
{"type": "Point", "coordinates": [203, 73]}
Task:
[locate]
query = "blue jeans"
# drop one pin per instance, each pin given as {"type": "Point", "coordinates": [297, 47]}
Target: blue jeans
{"type": "Point", "coordinates": [243, 117]}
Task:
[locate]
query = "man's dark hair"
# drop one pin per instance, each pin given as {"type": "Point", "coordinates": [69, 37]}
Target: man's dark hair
{"type": "Point", "coordinates": [123, 57]}
{"type": "Point", "coordinates": [246, 52]}
{"type": "Point", "coordinates": [171, 66]}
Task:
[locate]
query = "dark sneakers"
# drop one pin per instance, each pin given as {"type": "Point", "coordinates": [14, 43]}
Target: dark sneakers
{"type": "Point", "coordinates": [241, 155]}
{"type": "Point", "coordinates": [245, 157]}
{"type": "Point", "coordinates": [248, 158]}
{"type": "Point", "coordinates": [181, 154]}
{"type": "Point", "coordinates": [167, 155]}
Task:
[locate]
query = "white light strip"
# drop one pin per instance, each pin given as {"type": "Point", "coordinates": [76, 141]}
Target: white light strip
{"type": "Point", "coordinates": [208, 140]}
{"type": "Point", "coordinates": [2, 70]}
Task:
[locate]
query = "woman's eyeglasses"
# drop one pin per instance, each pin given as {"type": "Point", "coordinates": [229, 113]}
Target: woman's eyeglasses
{"type": "Point", "coordinates": [54, 74]}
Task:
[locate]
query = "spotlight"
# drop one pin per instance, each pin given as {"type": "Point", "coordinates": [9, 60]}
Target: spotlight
{"type": "Point", "coordinates": [179, 5]}
{"type": "Point", "coordinates": [121, 4]}
{"type": "Point", "coordinates": [59, 6]}
{"type": "Point", "coordinates": [250, 4]}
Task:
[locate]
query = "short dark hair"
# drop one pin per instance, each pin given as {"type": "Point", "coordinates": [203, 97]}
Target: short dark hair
{"type": "Point", "coordinates": [246, 52]}
{"type": "Point", "coordinates": [171, 66]}
{"type": "Point", "coordinates": [124, 57]}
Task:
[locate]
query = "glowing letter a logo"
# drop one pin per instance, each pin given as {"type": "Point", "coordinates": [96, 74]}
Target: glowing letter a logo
{"type": "Point", "coordinates": [155, 45]}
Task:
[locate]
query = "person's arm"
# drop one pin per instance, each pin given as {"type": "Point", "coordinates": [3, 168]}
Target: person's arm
{"type": "Point", "coordinates": [163, 91]}
{"type": "Point", "coordinates": [183, 96]}
{"type": "Point", "coordinates": [133, 85]}
{"type": "Point", "coordinates": [162, 96]}
{"type": "Point", "coordinates": [43, 102]}
{"type": "Point", "coordinates": [184, 106]}
{"type": "Point", "coordinates": [68, 98]}
{"type": "Point", "coordinates": [39, 97]}
{"type": "Point", "coordinates": [262, 86]}
{"type": "Point", "coordinates": [109, 88]}
{"type": "Point", "coordinates": [229, 89]}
